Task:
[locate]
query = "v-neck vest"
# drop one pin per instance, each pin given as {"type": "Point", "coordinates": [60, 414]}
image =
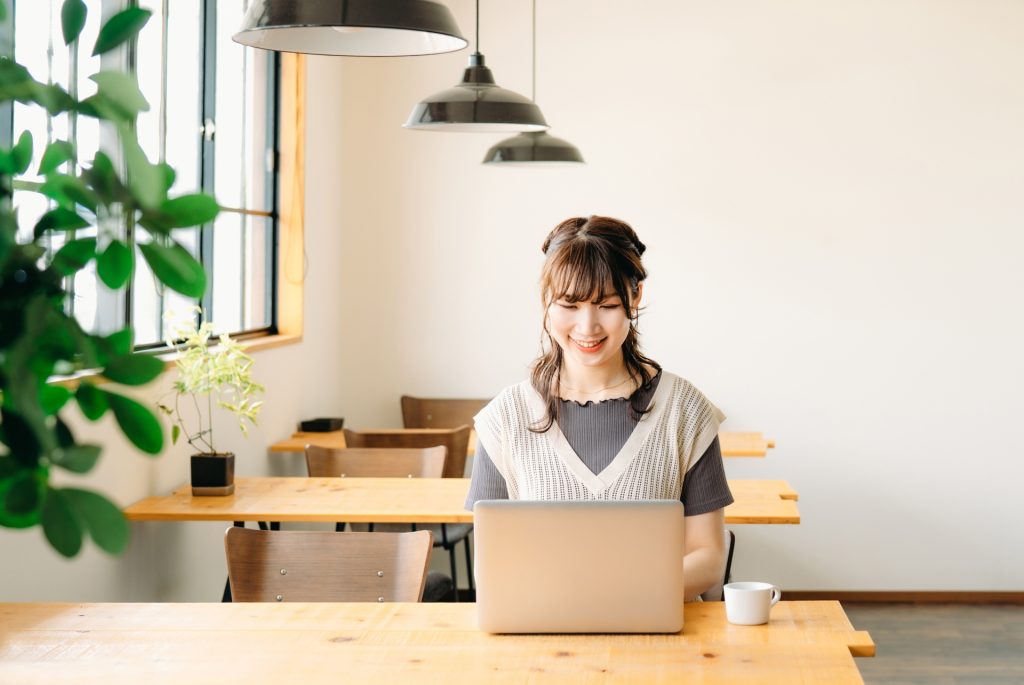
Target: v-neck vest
{"type": "Point", "coordinates": [666, 443]}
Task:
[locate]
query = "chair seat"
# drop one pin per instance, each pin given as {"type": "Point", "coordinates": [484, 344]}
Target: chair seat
{"type": "Point", "coordinates": [456, 532]}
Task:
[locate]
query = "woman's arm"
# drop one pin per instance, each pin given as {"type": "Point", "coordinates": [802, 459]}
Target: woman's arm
{"type": "Point", "coordinates": [486, 481]}
{"type": "Point", "coordinates": [704, 562]}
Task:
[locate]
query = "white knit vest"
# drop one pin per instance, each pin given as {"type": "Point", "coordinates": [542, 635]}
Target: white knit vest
{"type": "Point", "coordinates": [665, 444]}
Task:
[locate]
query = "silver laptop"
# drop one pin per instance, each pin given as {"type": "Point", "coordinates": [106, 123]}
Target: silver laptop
{"type": "Point", "coordinates": [579, 567]}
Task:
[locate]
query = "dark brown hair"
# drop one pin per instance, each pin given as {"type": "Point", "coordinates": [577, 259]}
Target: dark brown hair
{"type": "Point", "coordinates": [583, 258]}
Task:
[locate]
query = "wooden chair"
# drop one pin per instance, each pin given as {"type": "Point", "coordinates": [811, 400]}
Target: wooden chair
{"type": "Point", "coordinates": [422, 412]}
{"type": "Point", "coordinates": [376, 462]}
{"type": "Point", "coordinates": [316, 566]}
{"type": "Point", "coordinates": [456, 440]}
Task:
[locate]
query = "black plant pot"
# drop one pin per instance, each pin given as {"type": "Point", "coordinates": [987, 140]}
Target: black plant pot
{"type": "Point", "coordinates": [213, 474]}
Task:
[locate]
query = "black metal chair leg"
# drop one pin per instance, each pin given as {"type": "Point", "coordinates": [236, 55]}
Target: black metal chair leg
{"type": "Point", "coordinates": [455, 575]}
{"type": "Point", "coordinates": [469, 563]}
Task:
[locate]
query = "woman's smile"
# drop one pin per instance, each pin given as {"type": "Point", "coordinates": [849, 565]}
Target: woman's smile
{"type": "Point", "coordinates": [588, 346]}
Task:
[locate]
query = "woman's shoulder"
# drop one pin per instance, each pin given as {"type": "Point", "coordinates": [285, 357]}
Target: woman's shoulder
{"type": "Point", "coordinates": [680, 387]}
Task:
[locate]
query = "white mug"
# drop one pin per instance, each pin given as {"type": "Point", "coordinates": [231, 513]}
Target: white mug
{"type": "Point", "coordinates": [748, 604]}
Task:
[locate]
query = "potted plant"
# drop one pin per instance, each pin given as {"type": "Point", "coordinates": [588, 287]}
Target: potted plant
{"type": "Point", "coordinates": [99, 211]}
{"type": "Point", "coordinates": [209, 374]}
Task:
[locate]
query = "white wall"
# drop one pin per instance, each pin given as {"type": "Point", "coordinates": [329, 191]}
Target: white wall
{"type": "Point", "coordinates": [830, 194]}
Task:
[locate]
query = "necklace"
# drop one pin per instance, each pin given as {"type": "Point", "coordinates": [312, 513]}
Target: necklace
{"type": "Point", "coordinates": [593, 392]}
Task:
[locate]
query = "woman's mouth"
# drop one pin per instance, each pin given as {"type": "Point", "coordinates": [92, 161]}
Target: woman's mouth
{"type": "Point", "coordinates": [588, 346]}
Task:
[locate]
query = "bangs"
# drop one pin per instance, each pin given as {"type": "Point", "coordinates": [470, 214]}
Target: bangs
{"type": "Point", "coordinates": [582, 272]}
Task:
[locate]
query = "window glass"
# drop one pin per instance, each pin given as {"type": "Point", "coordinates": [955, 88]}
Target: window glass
{"type": "Point", "coordinates": [173, 73]}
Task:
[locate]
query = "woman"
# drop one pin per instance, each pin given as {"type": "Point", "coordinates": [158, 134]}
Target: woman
{"type": "Point", "coordinates": [597, 419]}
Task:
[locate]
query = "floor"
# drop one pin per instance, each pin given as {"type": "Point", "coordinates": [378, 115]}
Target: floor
{"type": "Point", "coordinates": [942, 644]}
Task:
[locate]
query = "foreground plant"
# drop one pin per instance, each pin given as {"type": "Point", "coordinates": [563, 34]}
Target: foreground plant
{"type": "Point", "coordinates": [38, 339]}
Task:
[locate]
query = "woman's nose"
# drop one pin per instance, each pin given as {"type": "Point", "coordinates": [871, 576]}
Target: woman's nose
{"type": "Point", "coordinates": [587, 319]}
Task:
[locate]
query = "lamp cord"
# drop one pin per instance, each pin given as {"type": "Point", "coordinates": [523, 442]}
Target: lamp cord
{"type": "Point", "coordinates": [533, 62]}
{"type": "Point", "coordinates": [478, 26]}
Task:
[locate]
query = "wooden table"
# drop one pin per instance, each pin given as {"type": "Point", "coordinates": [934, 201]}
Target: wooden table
{"type": "Point", "coordinates": [733, 444]}
{"type": "Point", "coordinates": [397, 500]}
{"type": "Point", "coordinates": [127, 644]}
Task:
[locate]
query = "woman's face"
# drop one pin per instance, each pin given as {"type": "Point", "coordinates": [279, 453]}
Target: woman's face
{"type": "Point", "coordinates": [590, 333]}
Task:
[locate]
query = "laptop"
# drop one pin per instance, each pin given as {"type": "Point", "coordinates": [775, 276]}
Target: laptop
{"type": "Point", "coordinates": [579, 567]}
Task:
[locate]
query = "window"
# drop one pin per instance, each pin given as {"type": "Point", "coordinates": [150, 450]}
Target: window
{"type": "Point", "coordinates": [212, 117]}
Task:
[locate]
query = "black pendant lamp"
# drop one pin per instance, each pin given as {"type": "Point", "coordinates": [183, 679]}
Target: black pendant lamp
{"type": "Point", "coordinates": [477, 104]}
{"type": "Point", "coordinates": [538, 147]}
{"type": "Point", "coordinates": [363, 28]}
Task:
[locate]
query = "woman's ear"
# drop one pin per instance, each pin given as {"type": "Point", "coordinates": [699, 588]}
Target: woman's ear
{"type": "Point", "coordinates": [635, 304]}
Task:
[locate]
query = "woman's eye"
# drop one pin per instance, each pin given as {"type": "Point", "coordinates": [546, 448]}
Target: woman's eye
{"type": "Point", "coordinates": [566, 305]}
{"type": "Point", "coordinates": [610, 306]}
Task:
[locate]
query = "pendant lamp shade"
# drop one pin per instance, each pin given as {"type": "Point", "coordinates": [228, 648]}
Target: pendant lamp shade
{"type": "Point", "coordinates": [365, 28]}
{"type": "Point", "coordinates": [477, 104]}
{"type": "Point", "coordinates": [531, 148]}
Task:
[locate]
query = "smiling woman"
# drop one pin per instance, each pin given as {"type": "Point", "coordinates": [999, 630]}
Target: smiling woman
{"type": "Point", "coordinates": [598, 420]}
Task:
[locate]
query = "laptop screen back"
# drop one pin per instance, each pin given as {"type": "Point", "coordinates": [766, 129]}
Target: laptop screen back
{"type": "Point", "coordinates": [579, 567]}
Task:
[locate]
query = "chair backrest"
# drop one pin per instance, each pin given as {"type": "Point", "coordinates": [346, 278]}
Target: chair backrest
{"type": "Point", "coordinates": [319, 566]}
{"type": "Point", "coordinates": [430, 412]}
{"type": "Point", "coordinates": [455, 439]}
{"type": "Point", "coordinates": [376, 462]}
{"type": "Point", "coordinates": [714, 593]}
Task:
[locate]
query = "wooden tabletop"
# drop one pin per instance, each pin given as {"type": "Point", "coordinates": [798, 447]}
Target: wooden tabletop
{"type": "Point", "coordinates": [397, 500]}
{"type": "Point", "coordinates": [733, 444]}
{"type": "Point", "coordinates": [127, 644]}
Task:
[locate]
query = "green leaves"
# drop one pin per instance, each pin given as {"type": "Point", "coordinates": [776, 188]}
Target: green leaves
{"type": "Point", "coordinates": [134, 369]}
{"type": "Point", "coordinates": [74, 256]}
{"type": "Point", "coordinates": [38, 338]}
{"type": "Point", "coordinates": [145, 180]}
{"type": "Point", "coordinates": [21, 494]}
{"type": "Point", "coordinates": [122, 92]}
{"type": "Point", "coordinates": [102, 518]}
{"type": "Point", "coordinates": [119, 28]}
{"type": "Point", "coordinates": [60, 524]}
{"type": "Point", "coordinates": [92, 401]}
{"type": "Point", "coordinates": [16, 160]}
{"type": "Point", "coordinates": [190, 210]}
{"type": "Point", "coordinates": [77, 458]}
{"type": "Point", "coordinates": [59, 219]}
{"type": "Point", "coordinates": [68, 191]}
{"type": "Point", "coordinates": [21, 154]}
{"type": "Point", "coordinates": [70, 513]}
{"type": "Point", "coordinates": [52, 398]}
{"type": "Point", "coordinates": [114, 265]}
{"type": "Point", "coordinates": [24, 494]}
{"type": "Point", "coordinates": [57, 152]}
{"type": "Point", "coordinates": [137, 423]}
{"type": "Point", "coordinates": [176, 268]}
{"type": "Point", "coordinates": [120, 343]}
{"type": "Point", "coordinates": [72, 20]}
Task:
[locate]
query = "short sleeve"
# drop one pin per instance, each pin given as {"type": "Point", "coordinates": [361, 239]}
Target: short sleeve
{"type": "Point", "coordinates": [705, 487]}
{"type": "Point", "coordinates": [486, 482]}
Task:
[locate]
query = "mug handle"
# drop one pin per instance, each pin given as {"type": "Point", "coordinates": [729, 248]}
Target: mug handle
{"type": "Point", "coordinates": [776, 595]}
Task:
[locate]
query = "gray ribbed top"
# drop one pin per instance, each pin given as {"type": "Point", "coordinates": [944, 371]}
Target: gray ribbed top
{"type": "Point", "coordinates": [596, 431]}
